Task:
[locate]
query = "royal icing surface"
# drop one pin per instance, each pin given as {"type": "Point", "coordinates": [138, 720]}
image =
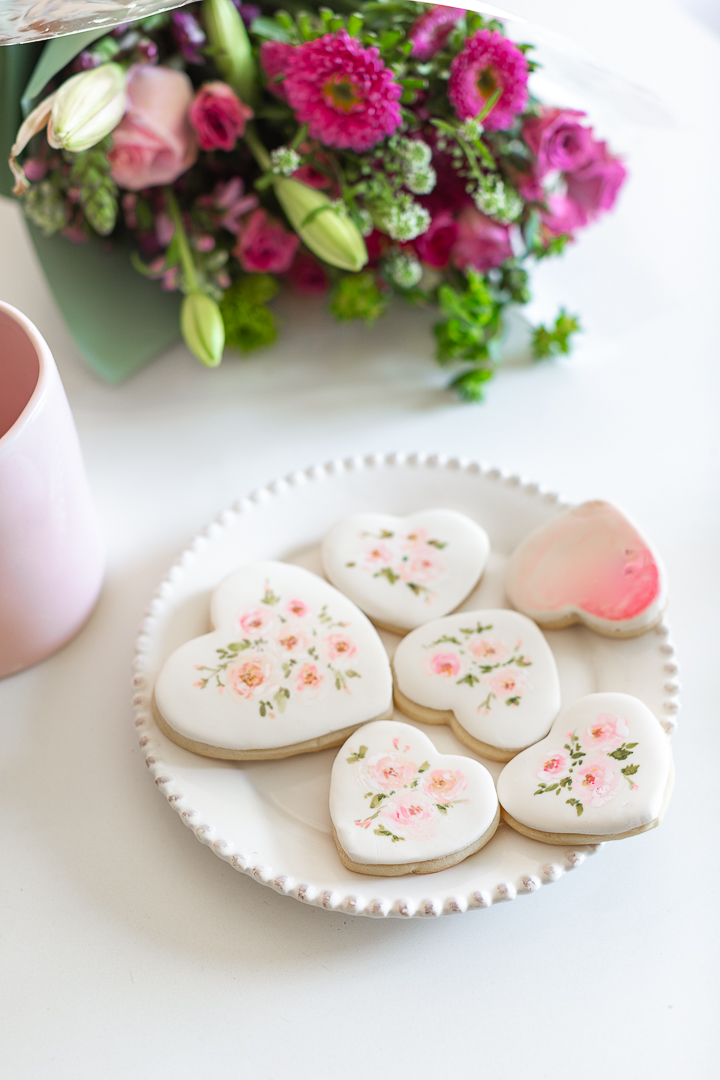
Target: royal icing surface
{"type": "Point", "coordinates": [290, 659]}
{"type": "Point", "coordinates": [493, 669]}
{"type": "Point", "coordinates": [395, 799]}
{"type": "Point", "coordinates": [404, 571]}
{"type": "Point", "coordinates": [602, 770]}
{"type": "Point", "coordinates": [590, 564]}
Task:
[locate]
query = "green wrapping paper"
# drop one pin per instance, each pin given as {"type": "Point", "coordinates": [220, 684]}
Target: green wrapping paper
{"type": "Point", "coordinates": [118, 318]}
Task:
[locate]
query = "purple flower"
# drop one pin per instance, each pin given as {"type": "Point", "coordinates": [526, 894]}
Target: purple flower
{"type": "Point", "coordinates": [489, 62]}
{"type": "Point", "coordinates": [595, 186]}
{"type": "Point", "coordinates": [558, 141]}
{"type": "Point", "coordinates": [430, 32]}
{"type": "Point", "coordinates": [248, 12]}
{"type": "Point", "coordinates": [342, 91]}
{"type": "Point", "coordinates": [189, 36]}
{"type": "Point", "coordinates": [481, 243]}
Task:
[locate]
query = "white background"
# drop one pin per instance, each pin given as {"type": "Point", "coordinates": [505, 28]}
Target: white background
{"type": "Point", "coordinates": [128, 948]}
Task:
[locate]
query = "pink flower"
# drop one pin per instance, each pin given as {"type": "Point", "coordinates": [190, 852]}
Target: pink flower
{"type": "Point", "coordinates": [218, 116]}
{"type": "Point", "coordinates": [489, 61]}
{"type": "Point", "coordinates": [481, 242]}
{"type": "Point", "coordinates": [342, 91]}
{"type": "Point", "coordinates": [255, 622]}
{"type": "Point", "coordinates": [563, 215]}
{"type": "Point", "coordinates": [505, 683]}
{"type": "Point", "coordinates": [307, 275]}
{"type": "Point", "coordinates": [252, 677]}
{"type": "Point", "coordinates": [387, 772]}
{"type": "Point", "coordinates": [558, 141]}
{"type": "Point", "coordinates": [154, 142]}
{"type": "Point", "coordinates": [275, 57]}
{"type": "Point", "coordinates": [265, 246]}
{"type": "Point", "coordinates": [595, 781]}
{"type": "Point", "coordinates": [443, 785]}
{"type": "Point", "coordinates": [554, 765]}
{"type": "Point", "coordinates": [340, 647]}
{"type": "Point", "coordinates": [492, 652]}
{"type": "Point", "coordinates": [411, 815]}
{"type": "Point", "coordinates": [594, 187]}
{"type": "Point", "coordinates": [607, 731]}
{"type": "Point", "coordinates": [229, 200]}
{"type": "Point", "coordinates": [435, 245]}
{"type": "Point", "coordinates": [418, 538]}
{"type": "Point", "coordinates": [430, 32]}
{"type": "Point", "coordinates": [377, 555]}
{"type": "Point", "coordinates": [423, 567]}
{"type": "Point", "coordinates": [298, 608]}
{"type": "Point", "coordinates": [291, 640]}
{"type": "Point", "coordinates": [447, 664]}
{"type": "Point", "coordinates": [309, 681]}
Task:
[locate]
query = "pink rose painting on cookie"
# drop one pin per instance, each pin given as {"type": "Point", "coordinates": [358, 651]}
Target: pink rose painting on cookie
{"type": "Point", "coordinates": [481, 659]}
{"type": "Point", "coordinates": [589, 769]}
{"type": "Point", "coordinates": [410, 559]}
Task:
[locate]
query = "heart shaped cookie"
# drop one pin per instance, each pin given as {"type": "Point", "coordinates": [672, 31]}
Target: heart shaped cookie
{"type": "Point", "coordinates": [490, 675]}
{"type": "Point", "coordinates": [400, 807]}
{"type": "Point", "coordinates": [603, 773]}
{"type": "Point", "coordinates": [291, 666]}
{"type": "Point", "coordinates": [405, 571]}
{"type": "Point", "coordinates": [589, 564]}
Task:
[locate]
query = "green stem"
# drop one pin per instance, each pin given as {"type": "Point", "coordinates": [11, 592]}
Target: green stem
{"type": "Point", "coordinates": [259, 152]}
{"type": "Point", "coordinates": [186, 255]}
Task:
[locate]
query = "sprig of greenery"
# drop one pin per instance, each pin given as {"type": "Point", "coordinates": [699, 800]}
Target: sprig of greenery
{"type": "Point", "coordinates": [555, 340]}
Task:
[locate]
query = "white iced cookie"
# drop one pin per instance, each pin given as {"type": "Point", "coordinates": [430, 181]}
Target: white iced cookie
{"type": "Point", "coordinates": [405, 571]}
{"type": "Point", "coordinates": [400, 807]}
{"type": "Point", "coordinates": [490, 675]}
{"type": "Point", "coordinates": [589, 564]}
{"type": "Point", "coordinates": [604, 772]}
{"type": "Point", "coordinates": [291, 666]}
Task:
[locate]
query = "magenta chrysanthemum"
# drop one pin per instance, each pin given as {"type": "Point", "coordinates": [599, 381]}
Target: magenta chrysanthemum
{"type": "Point", "coordinates": [489, 62]}
{"type": "Point", "coordinates": [342, 91]}
{"type": "Point", "coordinates": [430, 32]}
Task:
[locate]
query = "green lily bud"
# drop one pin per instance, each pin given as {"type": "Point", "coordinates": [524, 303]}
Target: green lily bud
{"type": "Point", "coordinates": [203, 328]}
{"type": "Point", "coordinates": [227, 34]}
{"type": "Point", "coordinates": [330, 234]}
{"type": "Point", "coordinates": [87, 107]}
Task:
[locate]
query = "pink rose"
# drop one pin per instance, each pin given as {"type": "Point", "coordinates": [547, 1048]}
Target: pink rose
{"type": "Point", "coordinates": [492, 652]}
{"type": "Point", "coordinates": [218, 116]}
{"type": "Point", "coordinates": [447, 664]}
{"type": "Point", "coordinates": [558, 141]}
{"type": "Point", "coordinates": [387, 772]}
{"type": "Point", "coordinates": [265, 246]}
{"type": "Point", "coordinates": [563, 215]}
{"type": "Point", "coordinates": [607, 731]}
{"type": "Point", "coordinates": [594, 782]}
{"type": "Point", "coordinates": [423, 567]}
{"type": "Point", "coordinates": [481, 243]}
{"type": "Point", "coordinates": [554, 765]}
{"type": "Point", "coordinates": [340, 647]}
{"type": "Point", "coordinates": [443, 785]}
{"type": "Point", "coordinates": [415, 539]}
{"type": "Point", "coordinates": [255, 622]}
{"type": "Point", "coordinates": [252, 677]}
{"type": "Point", "coordinates": [434, 246]}
{"type": "Point", "coordinates": [505, 683]}
{"type": "Point", "coordinates": [307, 274]}
{"type": "Point", "coordinates": [309, 681]}
{"type": "Point", "coordinates": [595, 186]}
{"type": "Point", "coordinates": [291, 640]}
{"type": "Point", "coordinates": [298, 608]}
{"type": "Point", "coordinates": [154, 143]}
{"type": "Point", "coordinates": [411, 815]}
{"type": "Point", "coordinates": [377, 555]}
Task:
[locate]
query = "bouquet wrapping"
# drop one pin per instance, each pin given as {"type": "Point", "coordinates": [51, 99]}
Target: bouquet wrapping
{"type": "Point", "coordinates": [216, 154]}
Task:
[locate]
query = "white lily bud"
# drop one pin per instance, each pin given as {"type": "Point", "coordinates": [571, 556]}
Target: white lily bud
{"type": "Point", "coordinates": [233, 56]}
{"type": "Point", "coordinates": [87, 107]}
{"type": "Point", "coordinates": [30, 126]}
{"type": "Point", "coordinates": [329, 234]}
{"type": "Point", "coordinates": [203, 328]}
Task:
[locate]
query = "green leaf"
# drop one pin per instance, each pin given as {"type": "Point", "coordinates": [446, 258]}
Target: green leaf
{"type": "Point", "coordinates": [271, 30]}
{"type": "Point", "coordinates": [376, 800]}
{"type": "Point", "coordinates": [556, 340]}
{"type": "Point", "coordinates": [424, 767]}
{"type": "Point", "coordinates": [630, 770]}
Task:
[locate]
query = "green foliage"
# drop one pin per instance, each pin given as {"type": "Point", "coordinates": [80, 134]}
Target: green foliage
{"type": "Point", "coordinates": [249, 323]}
{"type": "Point", "coordinates": [551, 342]}
{"type": "Point", "coordinates": [90, 175]}
{"type": "Point", "coordinates": [44, 205]}
{"type": "Point", "coordinates": [472, 321]}
{"type": "Point", "coordinates": [356, 296]}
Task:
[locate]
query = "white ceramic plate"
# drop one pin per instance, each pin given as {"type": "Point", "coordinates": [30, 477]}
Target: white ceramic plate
{"type": "Point", "coordinates": [270, 819]}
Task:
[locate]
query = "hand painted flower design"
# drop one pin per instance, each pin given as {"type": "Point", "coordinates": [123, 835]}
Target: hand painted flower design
{"type": "Point", "coordinates": [506, 683]}
{"type": "Point", "coordinates": [309, 680]}
{"type": "Point", "coordinates": [444, 786]}
{"type": "Point", "coordinates": [297, 608]}
{"type": "Point", "coordinates": [555, 765]}
{"type": "Point", "coordinates": [489, 62]}
{"type": "Point", "coordinates": [342, 91]}
{"type": "Point", "coordinates": [377, 554]}
{"type": "Point", "coordinates": [340, 647]}
{"type": "Point", "coordinates": [387, 772]}
{"type": "Point", "coordinates": [489, 650]}
{"type": "Point", "coordinates": [251, 678]}
{"type": "Point", "coordinates": [254, 623]}
{"type": "Point", "coordinates": [430, 32]}
{"type": "Point", "coordinates": [446, 664]}
{"type": "Point", "coordinates": [292, 640]}
{"type": "Point", "coordinates": [410, 814]}
{"type": "Point", "coordinates": [606, 732]}
{"type": "Point", "coordinates": [595, 781]}
{"type": "Point", "coordinates": [422, 567]}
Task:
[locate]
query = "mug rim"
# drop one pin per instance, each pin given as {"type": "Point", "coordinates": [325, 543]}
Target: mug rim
{"type": "Point", "coordinates": [42, 351]}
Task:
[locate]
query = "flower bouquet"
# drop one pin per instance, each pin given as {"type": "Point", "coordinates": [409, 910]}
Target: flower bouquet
{"type": "Point", "coordinates": [382, 150]}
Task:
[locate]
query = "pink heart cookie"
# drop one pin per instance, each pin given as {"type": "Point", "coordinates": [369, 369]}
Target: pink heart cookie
{"type": "Point", "coordinates": [590, 565]}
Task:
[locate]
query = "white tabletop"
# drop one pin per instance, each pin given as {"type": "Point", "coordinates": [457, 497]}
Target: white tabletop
{"type": "Point", "coordinates": [129, 949]}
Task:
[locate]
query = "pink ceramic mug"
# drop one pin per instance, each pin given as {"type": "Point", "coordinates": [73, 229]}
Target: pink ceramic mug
{"type": "Point", "coordinates": [51, 561]}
